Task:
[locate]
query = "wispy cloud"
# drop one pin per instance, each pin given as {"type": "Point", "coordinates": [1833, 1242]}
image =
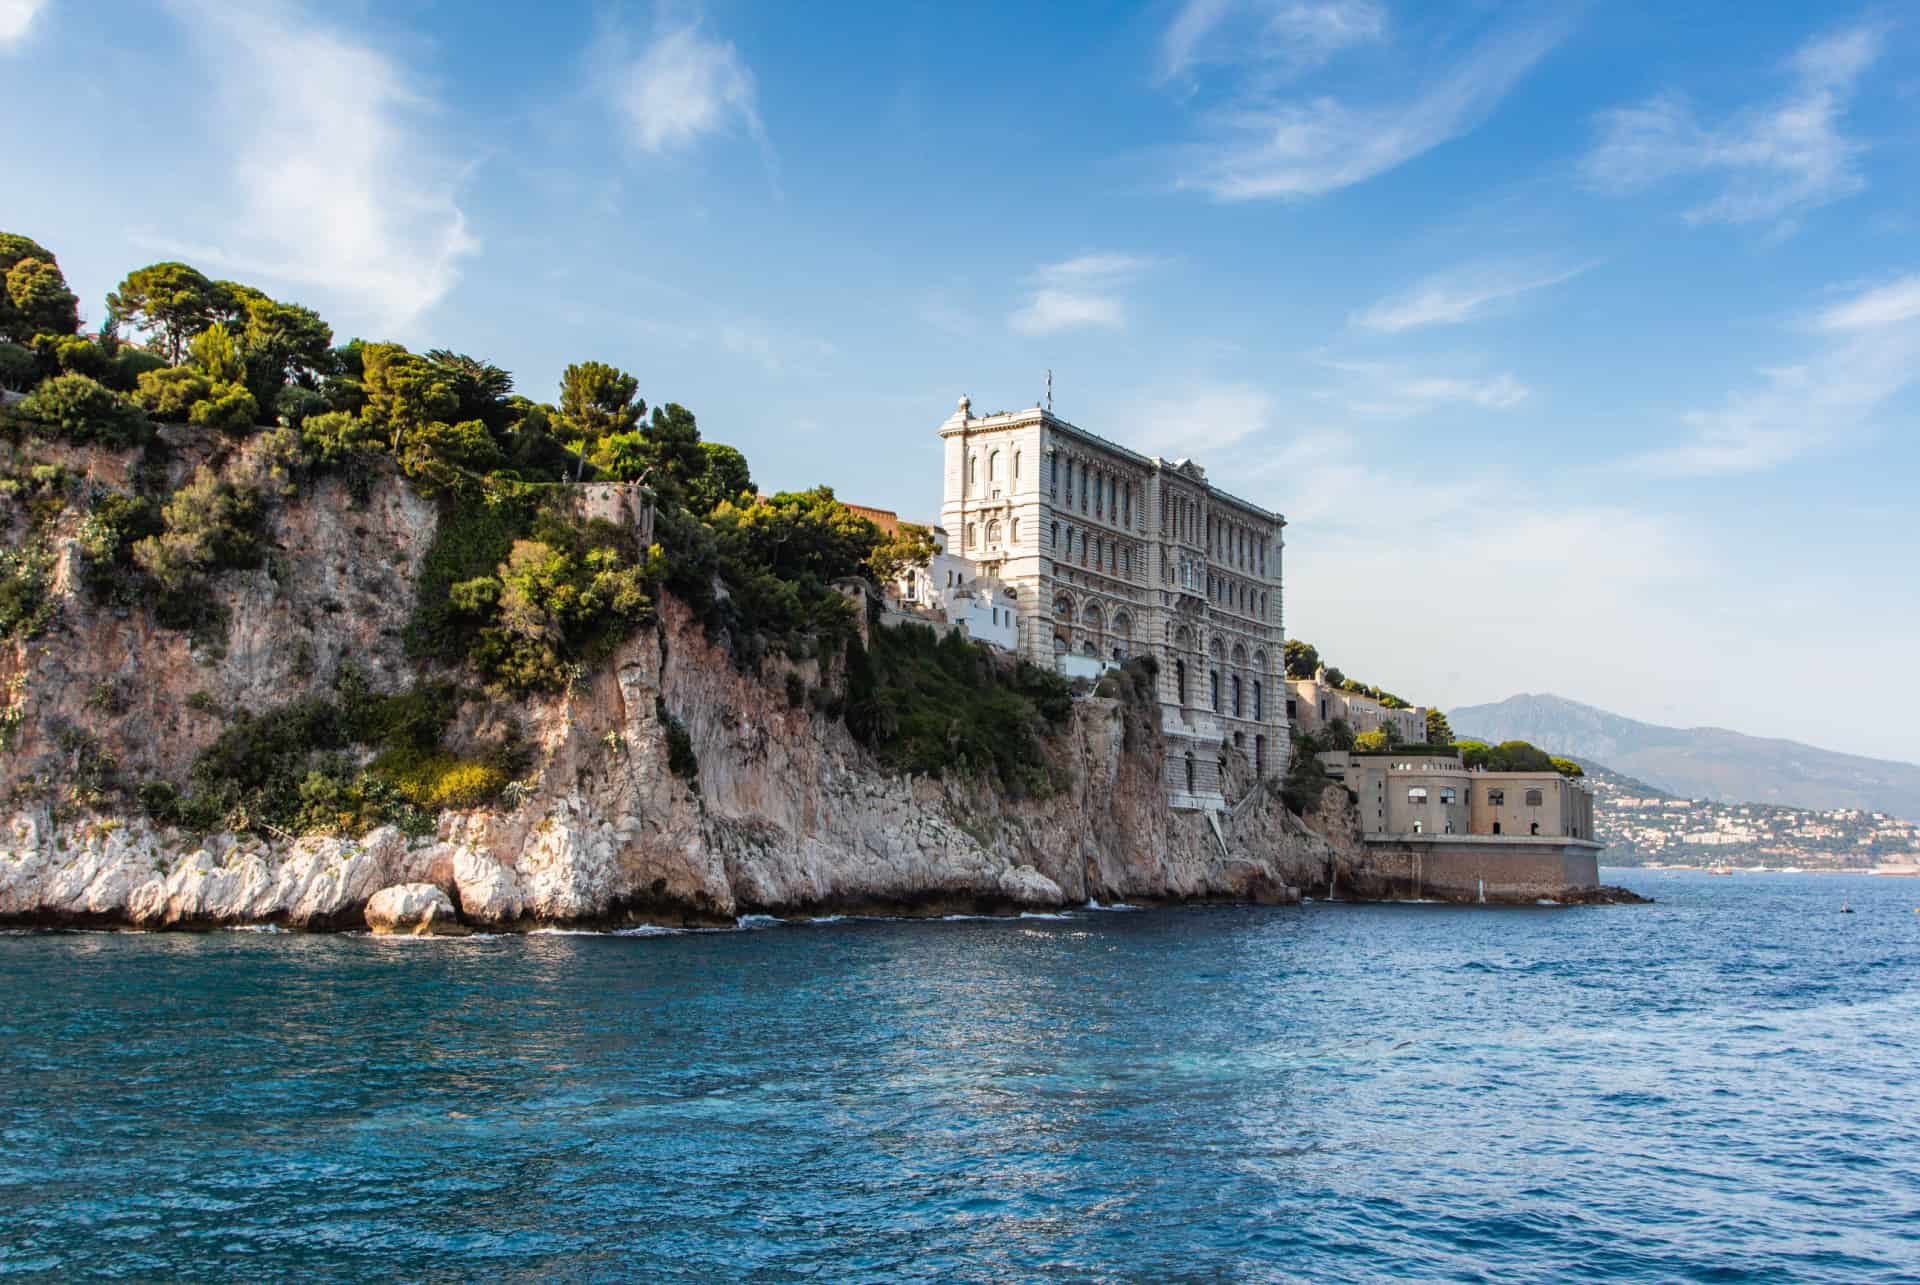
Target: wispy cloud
{"type": "Point", "coordinates": [1202, 418]}
{"type": "Point", "coordinates": [1077, 293]}
{"type": "Point", "coordinates": [774, 350]}
{"type": "Point", "coordinates": [1868, 351]}
{"type": "Point", "coordinates": [1893, 304]}
{"type": "Point", "coordinates": [1381, 389]}
{"type": "Point", "coordinates": [1461, 295]}
{"type": "Point", "coordinates": [1777, 161]}
{"type": "Point", "coordinates": [16, 16]}
{"type": "Point", "coordinates": [1289, 35]}
{"type": "Point", "coordinates": [1307, 147]}
{"type": "Point", "coordinates": [335, 185]}
{"type": "Point", "coordinates": [681, 86]}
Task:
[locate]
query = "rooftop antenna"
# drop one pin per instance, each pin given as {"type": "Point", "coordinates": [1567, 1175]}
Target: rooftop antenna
{"type": "Point", "coordinates": [1049, 392]}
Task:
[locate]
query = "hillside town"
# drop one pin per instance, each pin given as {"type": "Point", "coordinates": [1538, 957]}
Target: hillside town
{"type": "Point", "coordinates": [1643, 825]}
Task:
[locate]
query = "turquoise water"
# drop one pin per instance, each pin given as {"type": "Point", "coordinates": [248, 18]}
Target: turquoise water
{"type": "Point", "coordinates": [1718, 1087]}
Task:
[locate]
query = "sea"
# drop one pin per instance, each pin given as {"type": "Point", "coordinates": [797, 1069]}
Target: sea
{"type": "Point", "coordinates": [1720, 1087]}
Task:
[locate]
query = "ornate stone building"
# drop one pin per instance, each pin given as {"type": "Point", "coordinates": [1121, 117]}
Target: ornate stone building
{"type": "Point", "coordinates": [1110, 554]}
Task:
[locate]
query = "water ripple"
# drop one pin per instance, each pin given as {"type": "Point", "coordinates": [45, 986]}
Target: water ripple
{"type": "Point", "coordinates": [1716, 1088]}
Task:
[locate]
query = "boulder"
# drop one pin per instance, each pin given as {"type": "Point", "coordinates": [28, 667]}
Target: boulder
{"type": "Point", "coordinates": [1025, 886]}
{"type": "Point", "coordinates": [489, 892]}
{"type": "Point", "coordinates": [419, 909]}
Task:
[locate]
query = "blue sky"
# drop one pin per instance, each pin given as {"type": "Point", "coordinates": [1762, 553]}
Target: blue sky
{"type": "Point", "coordinates": [1578, 343]}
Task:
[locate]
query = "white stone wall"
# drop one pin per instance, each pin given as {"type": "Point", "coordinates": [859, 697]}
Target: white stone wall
{"type": "Point", "coordinates": [1114, 554]}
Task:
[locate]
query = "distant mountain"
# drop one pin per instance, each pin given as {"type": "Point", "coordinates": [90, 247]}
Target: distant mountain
{"type": "Point", "coordinates": [1698, 762]}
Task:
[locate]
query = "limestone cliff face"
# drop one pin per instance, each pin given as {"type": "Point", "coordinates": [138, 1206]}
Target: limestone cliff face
{"type": "Point", "coordinates": [787, 814]}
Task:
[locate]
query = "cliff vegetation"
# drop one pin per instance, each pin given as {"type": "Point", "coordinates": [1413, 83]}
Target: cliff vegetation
{"type": "Point", "coordinates": [286, 620]}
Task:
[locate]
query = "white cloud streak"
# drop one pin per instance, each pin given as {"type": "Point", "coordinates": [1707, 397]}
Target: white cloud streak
{"type": "Point", "coordinates": [1462, 295]}
{"type": "Point", "coordinates": [1309, 147]}
{"type": "Point", "coordinates": [680, 88]}
{"type": "Point", "coordinates": [16, 16]}
{"type": "Point", "coordinates": [1889, 305]}
{"type": "Point", "coordinates": [1868, 353]}
{"type": "Point", "coordinates": [1777, 161]}
{"type": "Point", "coordinates": [1379, 389]}
{"type": "Point", "coordinates": [1202, 418]}
{"type": "Point", "coordinates": [1078, 293]}
{"type": "Point", "coordinates": [1292, 35]}
{"type": "Point", "coordinates": [335, 187]}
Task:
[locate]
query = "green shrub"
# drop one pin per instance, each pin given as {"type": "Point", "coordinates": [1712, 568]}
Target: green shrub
{"type": "Point", "coordinates": [474, 536]}
{"type": "Point", "coordinates": [531, 599]}
{"type": "Point", "coordinates": [681, 760]}
{"type": "Point", "coordinates": [79, 409]}
{"type": "Point", "coordinates": [169, 394]}
{"type": "Point", "coordinates": [935, 705]}
{"type": "Point", "coordinates": [1306, 778]}
{"type": "Point", "coordinates": [27, 603]}
{"type": "Point", "coordinates": [212, 525]}
{"type": "Point", "coordinates": [115, 522]}
{"type": "Point", "coordinates": [19, 370]}
{"type": "Point", "coordinates": [228, 407]}
{"type": "Point", "coordinates": [434, 780]}
{"type": "Point", "coordinates": [294, 768]}
{"type": "Point", "coordinates": [296, 405]}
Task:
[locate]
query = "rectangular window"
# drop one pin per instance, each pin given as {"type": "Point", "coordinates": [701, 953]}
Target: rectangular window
{"type": "Point", "coordinates": [1533, 798]}
{"type": "Point", "coordinates": [1417, 795]}
{"type": "Point", "coordinates": [1446, 794]}
{"type": "Point", "coordinates": [1497, 798]}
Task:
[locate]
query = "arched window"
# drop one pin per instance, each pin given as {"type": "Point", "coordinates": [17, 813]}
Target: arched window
{"type": "Point", "coordinates": [973, 470]}
{"type": "Point", "coordinates": [1053, 474]}
{"type": "Point", "coordinates": [1259, 748]}
{"type": "Point", "coordinates": [973, 535]}
{"type": "Point", "coordinates": [993, 466]}
{"type": "Point", "coordinates": [1016, 466]}
{"type": "Point", "coordinates": [1014, 533]}
{"type": "Point", "coordinates": [1053, 537]}
{"type": "Point", "coordinates": [1123, 626]}
{"type": "Point", "coordinates": [1213, 689]}
{"type": "Point", "coordinates": [1259, 708]}
{"type": "Point", "coordinates": [1239, 656]}
{"type": "Point", "coordinates": [1126, 561]}
{"type": "Point", "coordinates": [993, 533]}
{"type": "Point", "coordinates": [1063, 608]}
{"type": "Point", "coordinates": [1092, 617]}
{"type": "Point", "coordinates": [1190, 781]}
{"type": "Point", "coordinates": [1180, 680]}
{"type": "Point", "coordinates": [1233, 686]}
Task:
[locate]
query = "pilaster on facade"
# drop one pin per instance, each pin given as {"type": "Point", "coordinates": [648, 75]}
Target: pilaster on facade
{"type": "Point", "coordinates": [1113, 554]}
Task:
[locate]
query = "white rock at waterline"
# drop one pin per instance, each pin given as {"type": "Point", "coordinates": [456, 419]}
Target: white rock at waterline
{"type": "Point", "coordinates": [419, 909]}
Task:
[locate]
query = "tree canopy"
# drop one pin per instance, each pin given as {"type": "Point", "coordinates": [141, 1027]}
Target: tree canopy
{"type": "Point", "coordinates": [171, 303]}
{"type": "Point", "coordinates": [34, 298]}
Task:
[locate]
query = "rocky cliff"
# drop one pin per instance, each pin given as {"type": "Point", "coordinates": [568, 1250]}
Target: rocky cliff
{"type": "Point", "coordinates": [786, 813]}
